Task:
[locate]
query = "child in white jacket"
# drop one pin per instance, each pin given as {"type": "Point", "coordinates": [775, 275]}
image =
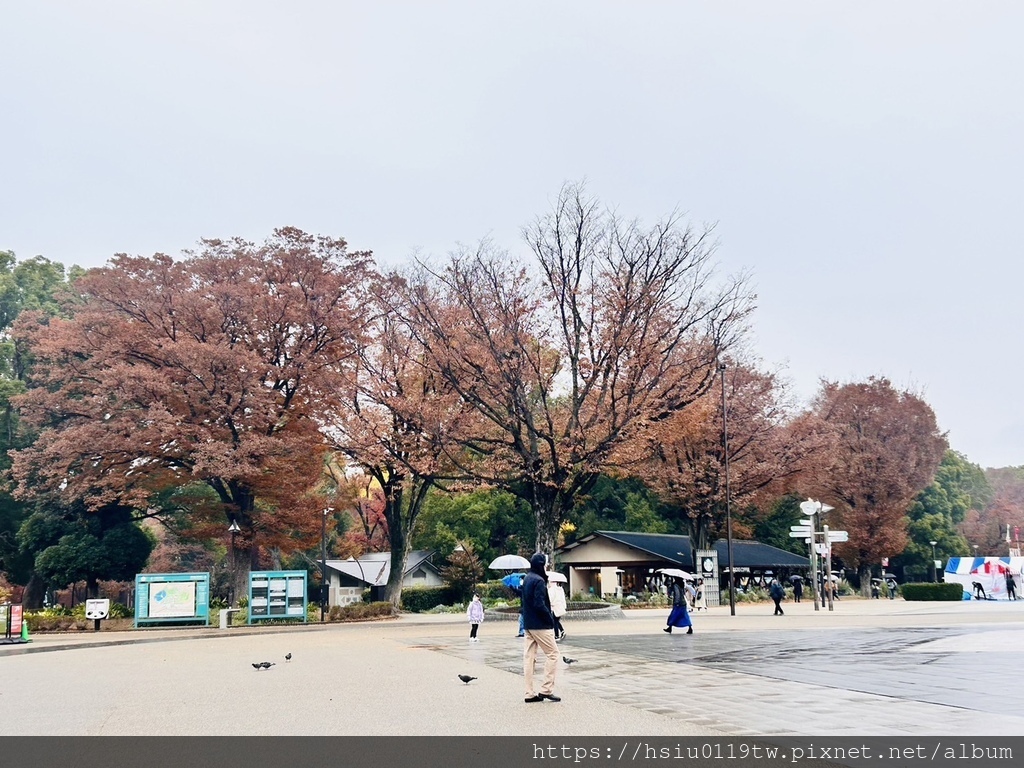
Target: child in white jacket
{"type": "Point", "coordinates": [475, 614]}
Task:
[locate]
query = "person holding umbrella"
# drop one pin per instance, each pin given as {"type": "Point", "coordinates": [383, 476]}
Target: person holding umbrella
{"type": "Point", "coordinates": [514, 581]}
{"type": "Point", "coordinates": [680, 617]}
{"type": "Point", "coordinates": [890, 583]}
{"type": "Point", "coordinates": [798, 589]}
{"type": "Point", "coordinates": [776, 592]}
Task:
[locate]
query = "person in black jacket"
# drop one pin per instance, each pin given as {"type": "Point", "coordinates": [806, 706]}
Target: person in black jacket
{"type": "Point", "coordinates": [777, 593]}
{"type": "Point", "coordinates": [679, 617]}
{"type": "Point", "coordinates": [539, 623]}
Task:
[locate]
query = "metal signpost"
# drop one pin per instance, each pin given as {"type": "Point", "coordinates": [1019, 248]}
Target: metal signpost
{"type": "Point", "coordinates": [807, 530]}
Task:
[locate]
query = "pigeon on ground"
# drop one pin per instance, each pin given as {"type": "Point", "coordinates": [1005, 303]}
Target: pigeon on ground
{"type": "Point", "coordinates": [257, 666]}
{"type": "Point", "coordinates": [567, 660]}
{"type": "Point", "coordinates": [287, 657]}
{"type": "Point", "coordinates": [466, 678]}
{"type": "Point", "coordinates": [266, 664]}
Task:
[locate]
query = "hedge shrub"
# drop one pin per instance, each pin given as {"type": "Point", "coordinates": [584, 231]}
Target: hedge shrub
{"type": "Point", "coordinates": [929, 591]}
{"type": "Point", "coordinates": [360, 611]}
{"type": "Point", "coordinates": [419, 599]}
{"type": "Point", "coordinates": [494, 590]}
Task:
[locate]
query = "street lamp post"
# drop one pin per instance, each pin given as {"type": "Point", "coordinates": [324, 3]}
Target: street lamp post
{"type": "Point", "coordinates": [728, 498]}
{"type": "Point", "coordinates": [935, 568]}
{"type": "Point", "coordinates": [233, 529]}
{"type": "Point", "coordinates": [323, 562]}
{"type": "Point", "coordinates": [362, 575]}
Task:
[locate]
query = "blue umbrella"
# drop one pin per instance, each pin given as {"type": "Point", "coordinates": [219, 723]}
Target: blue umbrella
{"type": "Point", "coordinates": [514, 581]}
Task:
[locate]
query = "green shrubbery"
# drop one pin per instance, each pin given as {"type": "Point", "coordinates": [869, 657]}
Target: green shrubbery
{"type": "Point", "coordinates": [57, 618]}
{"type": "Point", "coordinates": [420, 599]}
{"type": "Point", "coordinates": [361, 611]}
{"type": "Point", "coordinates": [933, 592]}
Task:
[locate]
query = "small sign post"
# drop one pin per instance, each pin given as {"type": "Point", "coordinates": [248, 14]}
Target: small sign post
{"type": "Point", "coordinates": [97, 610]}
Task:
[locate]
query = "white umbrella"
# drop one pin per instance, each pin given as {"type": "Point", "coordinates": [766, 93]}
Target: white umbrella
{"type": "Point", "coordinates": [675, 572]}
{"type": "Point", "coordinates": [509, 563]}
{"type": "Point", "coordinates": [556, 576]}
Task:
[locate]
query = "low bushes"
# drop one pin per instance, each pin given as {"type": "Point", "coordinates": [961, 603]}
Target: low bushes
{"type": "Point", "coordinates": [933, 592]}
{"type": "Point", "coordinates": [420, 599]}
{"type": "Point", "coordinates": [42, 622]}
{"type": "Point", "coordinates": [361, 611]}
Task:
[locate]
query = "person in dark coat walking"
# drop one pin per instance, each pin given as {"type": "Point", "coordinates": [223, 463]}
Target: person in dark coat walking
{"type": "Point", "coordinates": [776, 592]}
{"type": "Point", "coordinates": [680, 617]}
{"type": "Point", "coordinates": [798, 590]}
{"type": "Point", "coordinates": [539, 623]}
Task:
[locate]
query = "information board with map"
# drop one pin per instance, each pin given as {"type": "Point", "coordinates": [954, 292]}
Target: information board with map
{"type": "Point", "coordinates": [172, 597]}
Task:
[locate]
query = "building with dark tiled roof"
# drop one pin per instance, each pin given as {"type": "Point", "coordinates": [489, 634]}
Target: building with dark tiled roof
{"type": "Point", "coordinates": [348, 578]}
{"type": "Point", "coordinates": [623, 563]}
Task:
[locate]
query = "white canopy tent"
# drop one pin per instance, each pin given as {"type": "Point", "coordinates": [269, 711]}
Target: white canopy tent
{"type": "Point", "coordinates": [990, 572]}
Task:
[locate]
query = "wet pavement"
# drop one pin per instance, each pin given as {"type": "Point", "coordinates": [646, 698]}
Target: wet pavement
{"type": "Point", "coordinates": [871, 668]}
{"type": "Point", "coordinates": [946, 680]}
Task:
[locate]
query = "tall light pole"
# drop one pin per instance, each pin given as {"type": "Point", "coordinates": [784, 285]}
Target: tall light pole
{"type": "Point", "coordinates": [362, 574]}
{"type": "Point", "coordinates": [233, 529]}
{"type": "Point", "coordinates": [935, 568]}
{"type": "Point", "coordinates": [323, 562]}
{"type": "Point", "coordinates": [728, 497]}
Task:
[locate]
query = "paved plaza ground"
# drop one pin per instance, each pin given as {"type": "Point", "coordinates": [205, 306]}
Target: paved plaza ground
{"type": "Point", "coordinates": [869, 668]}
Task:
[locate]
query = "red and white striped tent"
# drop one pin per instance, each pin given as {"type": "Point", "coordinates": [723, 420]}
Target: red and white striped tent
{"type": "Point", "coordinates": [990, 572]}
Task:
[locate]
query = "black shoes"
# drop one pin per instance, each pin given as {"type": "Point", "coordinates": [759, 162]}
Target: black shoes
{"type": "Point", "coordinates": [689, 630]}
{"type": "Point", "coordinates": [532, 699]}
{"type": "Point", "coordinates": [548, 696]}
{"type": "Point", "coordinates": [667, 629]}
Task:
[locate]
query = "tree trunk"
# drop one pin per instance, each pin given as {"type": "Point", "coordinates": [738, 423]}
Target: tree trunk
{"type": "Point", "coordinates": [399, 543]}
{"type": "Point", "coordinates": [864, 572]}
{"type": "Point", "coordinates": [92, 587]}
{"type": "Point", "coordinates": [244, 560]}
{"type": "Point", "coordinates": [547, 534]}
{"type": "Point", "coordinates": [393, 590]}
{"type": "Point", "coordinates": [35, 590]}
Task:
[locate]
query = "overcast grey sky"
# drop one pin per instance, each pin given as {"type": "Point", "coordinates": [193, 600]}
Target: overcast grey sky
{"type": "Point", "coordinates": [862, 160]}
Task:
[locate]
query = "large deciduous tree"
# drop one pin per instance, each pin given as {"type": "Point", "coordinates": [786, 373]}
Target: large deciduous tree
{"type": "Point", "coordinates": [996, 526]}
{"type": "Point", "coordinates": [570, 360]}
{"type": "Point", "coordinates": [767, 449]}
{"type": "Point", "coordinates": [395, 424]}
{"type": "Point", "coordinates": [30, 285]}
{"type": "Point", "coordinates": [209, 369]}
{"type": "Point", "coordinates": [886, 447]}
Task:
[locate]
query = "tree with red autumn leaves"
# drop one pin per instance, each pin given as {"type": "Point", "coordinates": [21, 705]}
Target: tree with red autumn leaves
{"type": "Point", "coordinates": [568, 360]}
{"type": "Point", "coordinates": [998, 526]}
{"type": "Point", "coordinates": [768, 448]}
{"type": "Point", "coordinates": [211, 369]}
{"type": "Point", "coordinates": [396, 425]}
{"type": "Point", "coordinates": [885, 449]}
